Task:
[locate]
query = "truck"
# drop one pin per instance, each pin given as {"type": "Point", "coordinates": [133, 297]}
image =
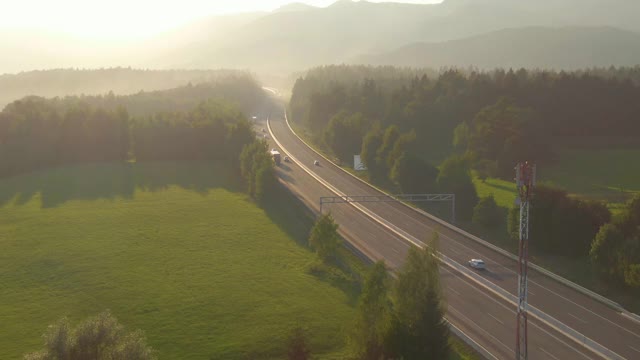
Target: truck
{"type": "Point", "coordinates": [276, 156]}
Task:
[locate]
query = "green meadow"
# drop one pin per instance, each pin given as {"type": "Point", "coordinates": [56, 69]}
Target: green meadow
{"type": "Point", "coordinates": [606, 175]}
{"type": "Point", "coordinates": [176, 250]}
{"type": "Point", "coordinates": [612, 175]}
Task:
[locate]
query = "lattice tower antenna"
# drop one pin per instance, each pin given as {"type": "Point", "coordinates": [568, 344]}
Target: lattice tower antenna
{"type": "Point", "coordinates": [525, 183]}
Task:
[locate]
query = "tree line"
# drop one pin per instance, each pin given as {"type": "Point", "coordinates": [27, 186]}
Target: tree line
{"type": "Point", "coordinates": [62, 82]}
{"type": "Point", "coordinates": [546, 109]}
{"type": "Point", "coordinates": [38, 133]}
{"type": "Point", "coordinates": [241, 90]}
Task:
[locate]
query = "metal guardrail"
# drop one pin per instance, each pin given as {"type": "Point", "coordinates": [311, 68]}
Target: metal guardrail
{"type": "Point", "coordinates": [469, 341]}
{"type": "Point", "coordinates": [392, 198]}
{"type": "Point", "coordinates": [545, 318]}
{"type": "Point", "coordinates": [631, 316]}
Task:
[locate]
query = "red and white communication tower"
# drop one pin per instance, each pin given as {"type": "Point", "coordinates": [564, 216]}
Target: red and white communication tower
{"type": "Point", "coordinates": [525, 182]}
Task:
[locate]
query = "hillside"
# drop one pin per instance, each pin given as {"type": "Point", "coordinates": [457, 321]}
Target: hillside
{"type": "Point", "coordinates": [297, 36]}
{"type": "Point", "coordinates": [532, 47]}
{"type": "Point", "coordinates": [297, 39]}
{"type": "Point", "coordinates": [120, 81]}
{"type": "Point", "coordinates": [302, 36]}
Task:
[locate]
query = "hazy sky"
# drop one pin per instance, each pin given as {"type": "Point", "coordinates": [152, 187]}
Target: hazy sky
{"type": "Point", "coordinates": [112, 19]}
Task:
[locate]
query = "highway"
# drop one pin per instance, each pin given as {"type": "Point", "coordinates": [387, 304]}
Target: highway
{"type": "Point", "coordinates": [488, 320]}
{"type": "Point", "coordinates": [589, 317]}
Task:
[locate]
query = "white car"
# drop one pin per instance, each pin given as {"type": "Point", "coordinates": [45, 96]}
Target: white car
{"type": "Point", "coordinates": [477, 264]}
{"type": "Point", "coordinates": [265, 136]}
{"type": "Point", "coordinates": [316, 162]}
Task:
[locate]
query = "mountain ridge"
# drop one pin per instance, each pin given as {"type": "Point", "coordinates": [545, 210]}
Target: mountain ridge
{"type": "Point", "coordinates": [562, 48]}
{"type": "Point", "coordinates": [298, 36]}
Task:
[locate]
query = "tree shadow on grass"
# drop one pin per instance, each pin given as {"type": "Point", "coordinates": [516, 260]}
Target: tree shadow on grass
{"type": "Point", "coordinates": [335, 273]}
{"type": "Point", "coordinates": [114, 180]}
{"type": "Point", "coordinates": [291, 215]}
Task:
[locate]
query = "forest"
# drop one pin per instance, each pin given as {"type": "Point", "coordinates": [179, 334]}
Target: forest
{"type": "Point", "coordinates": [549, 108]}
{"type": "Point", "coordinates": [119, 80]}
{"type": "Point", "coordinates": [177, 124]}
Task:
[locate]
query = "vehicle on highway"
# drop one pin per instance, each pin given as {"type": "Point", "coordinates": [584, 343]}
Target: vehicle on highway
{"type": "Point", "coordinates": [286, 159]}
{"type": "Point", "coordinates": [477, 264]}
{"type": "Point", "coordinates": [265, 136]}
{"type": "Point", "coordinates": [275, 155]}
{"type": "Point", "coordinates": [316, 162]}
{"type": "Point", "coordinates": [264, 130]}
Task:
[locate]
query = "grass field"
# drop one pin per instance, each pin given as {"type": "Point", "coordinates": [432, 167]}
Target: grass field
{"type": "Point", "coordinates": [612, 175]}
{"type": "Point", "coordinates": [176, 250]}
{"type": "Point", "coordinates": [504, 192]}
{"type": "Point", "coordinates": [607, 175]}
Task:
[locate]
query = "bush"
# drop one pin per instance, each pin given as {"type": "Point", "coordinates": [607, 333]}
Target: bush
{"type": "Point", "coordinates": [560, 224]}
{"type": "Point", "coordinates": [455, 178]}
{"type": "Point", "coordinates": [487, 214]}
{"type": "Point", "coordinates": [297, 347]}
{"type": "Point", "coordinates": [615, 251]}
{"type": "Point", "coordinates": [99, 338]}
{"type": "Point", "coordinates": [324, 238]}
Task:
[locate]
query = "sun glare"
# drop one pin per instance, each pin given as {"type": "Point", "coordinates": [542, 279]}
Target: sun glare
{"type": "Point", "coordinates": [124, 19]}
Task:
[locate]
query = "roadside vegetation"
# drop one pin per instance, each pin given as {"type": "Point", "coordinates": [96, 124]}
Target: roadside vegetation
{"type": "Point", "coordinates": [180, 124]}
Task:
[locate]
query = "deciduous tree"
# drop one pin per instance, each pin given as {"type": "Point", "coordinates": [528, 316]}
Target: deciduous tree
{"type": "Point", "coordinates": [324, 238]}
{"type": "Point", "coordinates": [419, 330]}
{"type": "Point", "coordinates": [455, 178]}
{"type": "Point", "coordinates": [101, 338]}
{"type": "Point", "coordinates": [374, 314]}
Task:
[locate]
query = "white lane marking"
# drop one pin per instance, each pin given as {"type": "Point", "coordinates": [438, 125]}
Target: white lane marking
{"type": "Point", "coordinates": [634, 349]}
{"type": "Point", "coordinates": [496, 319]}
{"type": "Point", "coordinates": [546, 352]}
{"type": "Point", "coordinates": [394, 250]}
{"type": "Point", "coordinates": [454, 251]}
{"type": "Point", "coordinates": [451, 289]}
{"type": "Point", "coordinates": [511, 310]}
{"type": "Point", "coordinates": [530, 292]}
{"type": "Point", "coordinates": [589, 311]}
{"type": "Point", "coordinates": [481, 328]}
{"type": "Point", "coordinates": [577, 318]}
{"type": "Point", "coordinates": [561, 341]}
